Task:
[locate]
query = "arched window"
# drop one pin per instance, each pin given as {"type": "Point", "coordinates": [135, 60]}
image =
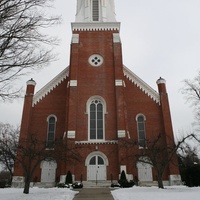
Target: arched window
{"type": "Point", "coordinates": [95, 10]}
{"type": "Point", "coordinates": [96, 112]}
{"type": "Point", "coordinates": [51, 131]}
{"type": "Point", "coordinates": [141, 130]}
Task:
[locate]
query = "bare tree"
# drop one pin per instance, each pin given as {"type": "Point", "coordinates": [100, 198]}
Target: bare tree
{"type": "Point", "coordinates": [23, 44]}
{"type": "Point", "coordinates": [32, 151]}
{"type": "Point", "coordinates": [158, 154]}
{"type": "Point", "coordinates": [9, 137]}
{"type": "Point", "coordinates": [191, 90]}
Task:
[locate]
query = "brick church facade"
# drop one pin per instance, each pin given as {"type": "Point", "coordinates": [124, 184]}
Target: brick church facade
{"type": "Point", "coordinates": [95, 105]}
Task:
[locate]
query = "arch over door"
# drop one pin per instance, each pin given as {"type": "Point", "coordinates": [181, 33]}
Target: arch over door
{"type": "Point", "coordinates": [96, 167]}
{"type": "Point", "coordinates": [48, 172]}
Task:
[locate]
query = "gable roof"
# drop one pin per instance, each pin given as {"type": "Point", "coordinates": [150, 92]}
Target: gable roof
{"type": "Point", "coordinates": [127, 73]}
{"type": "Point", "coordinates": [141, 84]}
{"type": "Point", "coordinates": [50, 86]}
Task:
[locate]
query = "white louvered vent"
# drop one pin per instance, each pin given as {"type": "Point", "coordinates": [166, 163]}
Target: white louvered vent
{"type": "Point", "coordinates": [95, 10]}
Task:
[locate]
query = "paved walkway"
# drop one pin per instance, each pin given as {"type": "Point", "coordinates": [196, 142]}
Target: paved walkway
{"type": "Point", "coordinates": [94, 194]}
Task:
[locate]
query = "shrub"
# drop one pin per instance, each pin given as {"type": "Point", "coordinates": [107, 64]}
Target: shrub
{"type": "Point", "coordinates": [68, 178]}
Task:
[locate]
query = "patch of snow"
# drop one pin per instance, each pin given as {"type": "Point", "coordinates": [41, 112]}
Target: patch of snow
{"type": "Point", "coordinates": [149, 193]}
{"type": "Point", "coordinates": [37, 194]}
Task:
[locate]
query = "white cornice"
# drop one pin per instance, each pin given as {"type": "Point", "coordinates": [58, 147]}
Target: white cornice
{"type": "Point", "coordinates": [141, 84]}
{"type": "Point", "coordinates": [97, 142]}
{"type": "Point", "coordinates": [95, 26]}
{"type": "Point", "coordinates": [50, 86]}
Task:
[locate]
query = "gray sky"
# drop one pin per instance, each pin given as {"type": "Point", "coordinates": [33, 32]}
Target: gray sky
{"type": "Point", "coordinates": [159, 38]}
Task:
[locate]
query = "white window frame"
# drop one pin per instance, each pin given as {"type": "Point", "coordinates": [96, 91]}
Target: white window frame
{"type": "Point", "coordinates": [88, 113]}
{"type": "Point", "coordinates": [141, 147]}
{"type": "Point", "coordinates": [48, 129]}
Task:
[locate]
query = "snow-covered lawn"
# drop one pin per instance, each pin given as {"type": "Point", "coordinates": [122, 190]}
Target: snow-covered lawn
{"type": "Point", "coordinates": [153, 193]}
{"type": "Point", "coordinates": [37, 194]}
{"type": "Point", "coordinates": [135, 193]}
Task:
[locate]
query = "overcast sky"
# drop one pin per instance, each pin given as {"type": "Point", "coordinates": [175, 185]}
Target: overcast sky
{"type": "Point", "coordinates": [159, 38]}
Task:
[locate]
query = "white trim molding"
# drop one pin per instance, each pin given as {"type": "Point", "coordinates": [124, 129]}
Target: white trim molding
{"type": "Point", "coordinates": [121, 133]}
{"type": "Point", "coordinates": [71, 134]}
{"type": "Point", "coordinates": [118, 82]}
{"type": "Point", "coordinates": [116, 38]}
{"type": "Point", "coordinates": [75, 38]}
{"type": "Point", "coordinates": [141, 84]}
{"type": "Point", "coordinates": [50, 86]}
{"type": "Point", "coordinates": [73, 83]}
{"type": "Point", "coordinates": [95, 26]}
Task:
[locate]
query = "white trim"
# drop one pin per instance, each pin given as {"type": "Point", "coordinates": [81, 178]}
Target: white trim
{"type": "Point", "coordinates": [71, 134]}
{"type": "Point", "coordinates": [161, 81]}
{"type": "Point", "coordinates": [118, 82]}
{"type": "Point", "coordinates": [96, 97]}
{"type": "Point", "coordinates": [50, 86]}
{"type": "Point", "coordinates": [140, 114]}
{"type": "Point", "coordinates": [121, 133]}
{"type": "Point", "coordinates": [31, 82]}
{"type": "Point", "coordinates": [96, 153]}
{"type": "Point", "coordinates": [141, 84]}
{"type": "Point", "coordinates": [73, 83]}
{"type": "Point", "coordinates": [95, 26]}
{"type": "Point", "coordinates": [75, 38]}
{"type": "Point", "coordinates": [88, 113]}
{"type": "Point", "coordinates": [97, 142]}
{"type": "Point", "coordinates": [52, 115]}
{"type": "Point", "coordinates": [116, 38]}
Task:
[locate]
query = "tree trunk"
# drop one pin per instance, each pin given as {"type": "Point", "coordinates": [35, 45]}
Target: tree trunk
{"type": "Point", "coordinates": [27, 185]}
{"type": "Point", "coordinates": [160, 182]}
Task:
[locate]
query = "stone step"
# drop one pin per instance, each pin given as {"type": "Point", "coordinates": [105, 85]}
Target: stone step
{"type": "Point", "coordinates": [96, 184]}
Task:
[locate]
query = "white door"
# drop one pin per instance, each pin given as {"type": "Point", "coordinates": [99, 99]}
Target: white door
{"type": "Point", "coordinates": [144, 172]}
{"type": "Point", "coordinates": [96, 170]}
{"type": "Point", "coordinates": [48, 173]}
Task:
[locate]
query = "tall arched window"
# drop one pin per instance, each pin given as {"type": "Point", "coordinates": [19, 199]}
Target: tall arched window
{"type": "Point", "coordinates": [51, 131]}
{"type": "Point", "coordinates": [141, 131]}
{"type": "Point", "coordinates": [95, 10]}
{"type": "Point", "coordinates": [96, 119]}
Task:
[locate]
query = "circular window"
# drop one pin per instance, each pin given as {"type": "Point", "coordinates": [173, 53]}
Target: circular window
{"type": "Point", "coordinates": [95, 60]}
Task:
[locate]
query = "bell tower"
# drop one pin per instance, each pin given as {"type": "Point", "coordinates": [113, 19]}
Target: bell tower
{"type": "Point", "coordinates": [95, 11]}
{"type": "Point", "coordinates": [96, 110]}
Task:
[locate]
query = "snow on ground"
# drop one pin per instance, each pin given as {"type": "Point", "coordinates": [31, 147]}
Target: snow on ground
{"type": "Point", "coordinates": [37, 194]}
{"type": "Point", "coordinates": [153, 193]}
{"type": "Point", "coordinates": [135, 193]}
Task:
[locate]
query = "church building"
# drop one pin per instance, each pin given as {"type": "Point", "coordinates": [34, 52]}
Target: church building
{"type": "Point", "coordinates": [97, 105]}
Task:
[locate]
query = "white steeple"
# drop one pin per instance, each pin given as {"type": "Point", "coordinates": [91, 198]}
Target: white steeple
{"type": "Point", "coordinates": [95, 11]}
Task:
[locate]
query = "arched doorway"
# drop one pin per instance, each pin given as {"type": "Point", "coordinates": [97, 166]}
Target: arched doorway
{"type": "Point", "coordinates": [48, 172]}
{"type": "Point", "coordinates": [96, 163]}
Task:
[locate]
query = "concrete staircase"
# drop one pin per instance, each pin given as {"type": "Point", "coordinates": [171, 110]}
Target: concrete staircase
{"type": "Point", "coordinates": [98, 184]}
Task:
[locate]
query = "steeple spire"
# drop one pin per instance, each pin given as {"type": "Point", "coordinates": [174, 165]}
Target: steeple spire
{"type": "Point", "coordinates": [95, 11]}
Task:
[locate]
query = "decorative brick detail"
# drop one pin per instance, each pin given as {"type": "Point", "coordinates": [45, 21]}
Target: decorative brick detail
{"type": "Point", "coordinates": [75, 38]}
{"type": "Point", "coordinates": [116, 38]}
{"type": "Point", "coordinates": [118, 82]}
{"type": "Point", "coordinates": [71, 134]}
{"type": "Point", "coordinates": [121, 133]}
{"type": "Point", "coordinates": [73, 83]}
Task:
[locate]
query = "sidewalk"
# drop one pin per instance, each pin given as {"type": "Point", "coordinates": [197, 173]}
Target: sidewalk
{"type": "Point", "coordinates": [94, 194]}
